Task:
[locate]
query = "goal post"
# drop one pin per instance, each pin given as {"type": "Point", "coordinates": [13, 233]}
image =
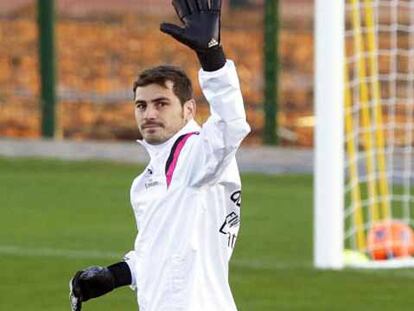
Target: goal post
{"type": "Point", "coordinates": [328, 172]}
{"type": "Point", "coordinates": [364, 134]}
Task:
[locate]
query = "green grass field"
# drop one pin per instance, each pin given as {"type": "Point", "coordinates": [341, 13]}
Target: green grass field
{"type": "Point", "coordinates": [57, 217]}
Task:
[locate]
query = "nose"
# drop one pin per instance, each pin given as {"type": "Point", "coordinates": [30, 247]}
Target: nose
{"type": "Point", "coordinates": [150, 113]}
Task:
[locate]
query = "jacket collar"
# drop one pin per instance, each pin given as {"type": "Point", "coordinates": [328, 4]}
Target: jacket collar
{"type": "Point", "coordinates": [154, 150]}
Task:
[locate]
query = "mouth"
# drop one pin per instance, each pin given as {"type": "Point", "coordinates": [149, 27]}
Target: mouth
{"type": "Point", "coordinates": [151, 126]}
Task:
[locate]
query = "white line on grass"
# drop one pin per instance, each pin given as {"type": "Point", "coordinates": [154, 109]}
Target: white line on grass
{"type": "Point", "coordinates": [53, 252]}
{"type": "Point", "coordinates": [95, 254]}
{"type": "Point", "coordinates": [268, 265]}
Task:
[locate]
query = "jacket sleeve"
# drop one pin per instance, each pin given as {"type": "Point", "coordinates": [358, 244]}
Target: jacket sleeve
{"type": "Point", "coordinates": [224, 130]}
{"type": "Point", "coordinates": [130, 259]}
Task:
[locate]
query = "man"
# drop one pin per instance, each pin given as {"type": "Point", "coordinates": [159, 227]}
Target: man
{"type": "Point", "coordinates": [187, 201]}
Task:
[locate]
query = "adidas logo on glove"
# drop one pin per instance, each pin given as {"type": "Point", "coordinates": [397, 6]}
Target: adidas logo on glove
{"type": "Point", "coordinates": [213, 42]}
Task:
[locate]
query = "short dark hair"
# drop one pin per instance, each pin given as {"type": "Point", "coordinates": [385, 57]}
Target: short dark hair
{"type": "Point", "coordinates": [182, 86]}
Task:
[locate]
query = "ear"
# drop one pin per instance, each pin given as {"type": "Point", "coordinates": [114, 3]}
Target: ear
{"type": "Point", "coordinates": [189, 109]}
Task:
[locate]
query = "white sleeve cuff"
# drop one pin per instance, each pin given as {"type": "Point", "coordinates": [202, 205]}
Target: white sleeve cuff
{"type": "Point", "coordinates": [130, 258]}
{"type": "Point", "coordinates": [222, 90]}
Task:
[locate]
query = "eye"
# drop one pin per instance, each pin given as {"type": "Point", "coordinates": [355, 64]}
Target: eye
{"type": "Point", "coordinates": [141, 106]}
{"type": "Point", "coordinates": [161, 104]}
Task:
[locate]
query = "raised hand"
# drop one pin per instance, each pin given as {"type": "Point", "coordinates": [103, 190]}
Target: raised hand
{"type": "Point", "coordinates": [201, 24]}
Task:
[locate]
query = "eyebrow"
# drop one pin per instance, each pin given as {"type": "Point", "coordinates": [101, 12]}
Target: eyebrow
{"type": "Point", "coordinates": [140, 101]}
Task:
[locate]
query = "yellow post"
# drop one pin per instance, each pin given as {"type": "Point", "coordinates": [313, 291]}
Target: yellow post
{"type": "Point", "coordinates": [377, 111]}
{"type": "Point", "coordinates": [351, 150]}
{"type": "Point", "coordinates": [365, 111]}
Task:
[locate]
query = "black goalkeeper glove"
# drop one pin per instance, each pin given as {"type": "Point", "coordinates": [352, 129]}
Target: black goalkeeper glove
{"type": "Point", "coordinates": [201, 30]}
{"type": "Point", "coordinates": [96, 281]}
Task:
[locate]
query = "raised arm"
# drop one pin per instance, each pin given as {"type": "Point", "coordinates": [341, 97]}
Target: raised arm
{"type": "Point", "coordinates": [225, 129]}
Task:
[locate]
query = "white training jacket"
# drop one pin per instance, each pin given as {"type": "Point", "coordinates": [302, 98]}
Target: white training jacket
{"type": "Point", "coordinates": [187, 207]}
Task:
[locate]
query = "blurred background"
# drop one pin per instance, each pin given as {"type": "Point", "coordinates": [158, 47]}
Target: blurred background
{"type": "Point", "coordinates": [59, 216]}
{"type": "Point", "coordinates": [101, 46]}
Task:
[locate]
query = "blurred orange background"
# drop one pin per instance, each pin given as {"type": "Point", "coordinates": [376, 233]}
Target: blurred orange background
{"type": "Point", "coordinates": [103, 45]}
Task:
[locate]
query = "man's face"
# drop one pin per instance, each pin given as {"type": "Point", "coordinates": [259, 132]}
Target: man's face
{"type": "Point", "coordinates": [159, 113]}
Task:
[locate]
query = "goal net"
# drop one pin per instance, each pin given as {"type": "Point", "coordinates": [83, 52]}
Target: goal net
{"type": "Point", "coordinates": [368, 217]}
